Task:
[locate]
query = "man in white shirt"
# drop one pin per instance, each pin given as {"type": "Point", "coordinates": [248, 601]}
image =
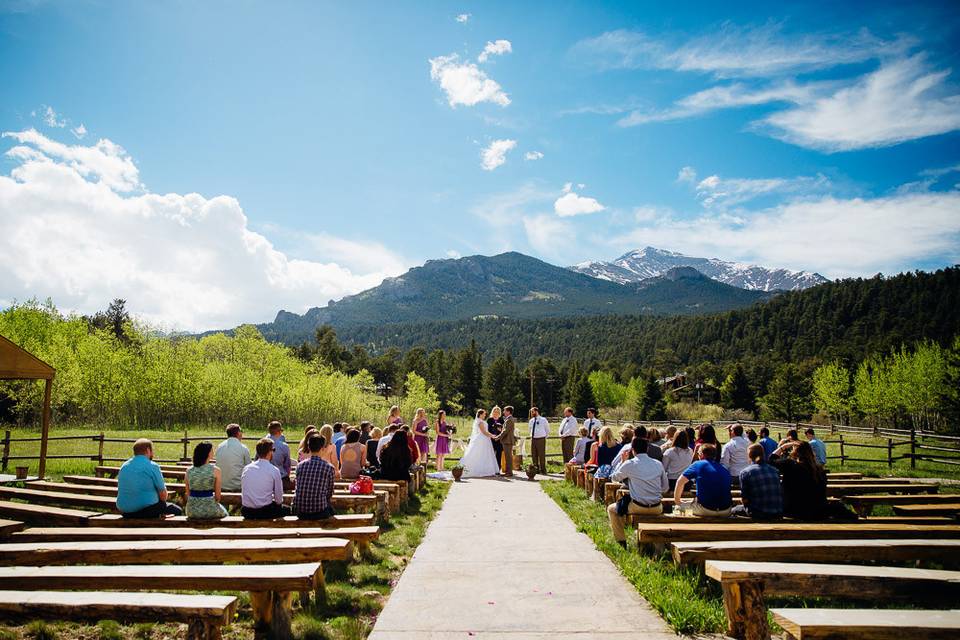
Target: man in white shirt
{"type": "Point", "coordinates": [262, 486]}
{"type": "Point", "coordinates": [539, 430]}
{"type": "Point", "coordinates": [592, 424]}
{"type": "Point", "coordinates": [734, 456]}
{"type": "Point", "coordinates": [568, 434]}
{"type": "Point", "coordinates": [232, 457]}
{"type": "Point", "coordinates": [647, 482]}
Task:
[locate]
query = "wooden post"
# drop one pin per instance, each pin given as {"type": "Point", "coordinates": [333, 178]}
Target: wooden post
{"type": "Point", "coordinates": [913, 448]}
{"type": "Point", "coordinates": [186, 444]}
{"type": "Point", "coordinates": [100, 450]}
{"type": "Point", "coordinates": [843, 457]}
{"type": "Point", "coordinates": [890, 452]}
{"type": "Point", "coordinates": [6, 448]}
{"type": "Point", "coordinates": [745, 608]}
{"type": "Point", "coordinates": [45, 422]}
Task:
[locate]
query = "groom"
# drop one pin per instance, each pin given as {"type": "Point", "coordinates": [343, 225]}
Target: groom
{"type": "Point", "coordinates": [507, 439]}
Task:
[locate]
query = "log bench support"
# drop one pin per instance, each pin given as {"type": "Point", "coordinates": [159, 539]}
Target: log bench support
{"type": "Point", "coordinates": [745, 609]}
{"type": "Point", "coordinates": [272, 613]}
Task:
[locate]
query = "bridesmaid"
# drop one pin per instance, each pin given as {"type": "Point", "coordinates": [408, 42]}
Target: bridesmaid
{"type": "Point", "coordinates": [394, 416]}
{"type": "Point", "coordinates": [420, 428]}
{"type": "Point", "coordinates": [443, 439]}
{"type": "Point", "coordinates": [495, 426]}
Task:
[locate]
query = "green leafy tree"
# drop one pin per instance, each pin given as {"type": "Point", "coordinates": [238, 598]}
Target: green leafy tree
{"type": "Point", "coordinates": [831, 390]}
{"type": "Point", "coordinates": [736, 393]}
{"type": "Point", "coordinates": [419, 395]}
{"type": "Point", "coordinates": [502, 384]}
{"type": "Point", "coordinates": [950, 389]}
{"type": "Point", "coordinates": [607, 391]}
{"type": "Point", "coordinates": [635, 395]}
{"type": "Point", "coordinates": [874, 393]}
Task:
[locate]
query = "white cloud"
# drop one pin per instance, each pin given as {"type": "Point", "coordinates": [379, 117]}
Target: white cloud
{"type": "Point", "coordinates": [728, 192]}
{"type": "Point", "coordinates": [465, 83]}
{"type": "Point", "coordinates": [502, 210]}
{"type": "Point", "coordinates": [52, 119]}
{"type": "Point", "coordinates": [463, 17]}
{"type": "Point", "coordinates": [546, 234]}
{"type": "Point", "coordinates": [687, 174]}
{"type": "Point", "coordinates": [533, 155]}
{"type": "Point", "coordinates": [836, 237]}
{"type": "Point", "coordinates": [496, 48]}
{"type": "Point", "coordinates": [496, 154]}
{"type": "Point", "coordinates": [453, 253]}
{"type": "Point", "coordinates": [902, 100]}
{"type": "Point", "coordinates": [733, 50]}
{"type": "Point", "coordinates": [573, 204]}
{"type": "Point", "coordinates": [70, 229]}
{"type": "Point", "coordinates": [79, 131]}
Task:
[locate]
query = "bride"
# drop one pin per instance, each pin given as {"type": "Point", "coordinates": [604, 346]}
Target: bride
{"type": "Point", "coordinates": [479, 460]}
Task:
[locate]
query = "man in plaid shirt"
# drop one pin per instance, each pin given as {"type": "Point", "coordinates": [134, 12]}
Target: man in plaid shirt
{"type": "Point", "coordinates": [314, 487]}
{"type": "Point", "coordinates": [760, 488]}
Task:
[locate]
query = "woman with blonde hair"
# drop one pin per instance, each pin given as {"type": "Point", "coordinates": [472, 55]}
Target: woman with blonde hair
{"type": "Point", "coordinates": [394, 416]}
{"type": "Point", "coordinates": [303, 450]}
{"type": "Point", "coordinates": [495, 427]}
{"type": "Point", "coordinates": [329, 451]}
{"type": "Point", "coordinates": [605, 449]}
{"type": "Point", "coordinates": [375, 434]}
{"type": "Point", "coordinates": [420, 429]}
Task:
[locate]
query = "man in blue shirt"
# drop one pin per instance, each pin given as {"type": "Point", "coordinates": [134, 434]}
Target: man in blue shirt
{"type": "Point", "coordinates": [141, 492]}
{"type": "Point", "coordinates": [769, 444]}
{"type": "Point", "coordinates": [339, 437]}
{"type": "Point", "coordinates": [281, 453]}
{"type": "Point", "coordinates": [760, 488]}
{"type": "Point", "coordinates": [818, 446]}
{"type": "Point", "coordinates": [713, 485]}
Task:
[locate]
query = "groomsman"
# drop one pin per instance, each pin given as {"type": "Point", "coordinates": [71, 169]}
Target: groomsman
{"type": "Point", "coordinates": [539, 430]}
{"type": "Point", "coordinates": [568, 434]}
{"type": "Point", "coordinates": [592, 424]}
{"type": "Point", "coordinates": [507, 440]}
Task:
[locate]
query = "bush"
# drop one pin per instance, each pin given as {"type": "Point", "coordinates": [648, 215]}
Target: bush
{"type": "Point", "coordinates": [109, 630]}
{"type": "Point", "coordinates": [693, 411]}
{"type": "Point", "coordinates": [40, 630]}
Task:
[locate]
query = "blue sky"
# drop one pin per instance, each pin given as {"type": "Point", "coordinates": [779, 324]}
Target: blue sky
{"type": "Point", "coordinates": [213, 162]}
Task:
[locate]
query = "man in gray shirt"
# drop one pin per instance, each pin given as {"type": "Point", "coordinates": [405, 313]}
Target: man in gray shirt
{"type": "Point", "coordinates": [232, 457]}
{"type": "Point", "coordinates": [647, 482]}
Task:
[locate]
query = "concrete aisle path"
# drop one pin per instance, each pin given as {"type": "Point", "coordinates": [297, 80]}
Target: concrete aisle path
{"type": "Point", "coordinates": [502, 561]}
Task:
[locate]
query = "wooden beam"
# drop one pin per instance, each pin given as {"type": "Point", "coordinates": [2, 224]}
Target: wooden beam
{"type": "Point", "coordinates": [45, 428]}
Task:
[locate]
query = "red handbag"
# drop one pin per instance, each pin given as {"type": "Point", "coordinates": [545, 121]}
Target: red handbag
{"type": "Point", "coordinates": [362, 486]}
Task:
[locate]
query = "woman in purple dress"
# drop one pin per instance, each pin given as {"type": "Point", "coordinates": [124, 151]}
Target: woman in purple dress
{"type": "Point", "coordinates": [443, 439]}
{"type": "Point", "coordinates": [394, 416]}
{"type": "Point", "coordinates": [420, 428]}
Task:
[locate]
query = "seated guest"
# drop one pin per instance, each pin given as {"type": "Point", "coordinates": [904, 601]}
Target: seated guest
{"type": "Point", "coordinates": [626, 438]}
{"type": "Point", "coordinates": [769, 444]}
{"type": "Point", "coordinates": [653, 450]}
{"type": "Point", "coordinates": [669, 435]}
{"type": "Point", "coordinates": [734, 456]}
{"type": "Point", "coordinates": [751, 435]}
{"type": "Point", "coordinates": [281, 453]}
{"type": "Point", "coordinates": [315, 483]}
{"type": "Point", "coordinates": [804, 481]}
{"type": "Point", "coordinates": [411, 443]}
{"type": "Point", "coordinates": [353, 455]}
{"type": "Point", "coordinates": [607, 448]}
{"type": "Point", "coordinates": [386, 438]}
{"type": "Point", "coordinates": [141, 492]}
{"type": "Point", "coordinates": [365, 428]}
{"type": "Point", "coordinates": [395, 458]}
{"type": "Point", "coordinates": [329, 452]}
{"type": "Point", "coordinates": [202, 486]}
{"type": "Point", "coordinates": [339, 436]}
{"type": "Point", "coordinates": [707, 436]}
{"type": "Point", "coordinates": [232, 456]}
{"type": "Point", "coordinates": [759, 488]}
{"type": "Point", "coordinates": [372, 445]}
{"type": "Point", "coordinates": [677, 458]}
{"type": "Point", "coordinates": [713, 484]}
{"type": "Point", "coordinates": [819, 448]}
{"type": "Point", "coordinates": [691, 438]}
{"type": "Point", "coordinates": [581, 448]}
{"type": "Point", "coordinates": [262, 487]}
{"type": "Point", "coordinates": [303, 449]}
{"type": "Point", "coordinates": [654, 437]}
{"type": "Point", "coordinates": [646, 481]}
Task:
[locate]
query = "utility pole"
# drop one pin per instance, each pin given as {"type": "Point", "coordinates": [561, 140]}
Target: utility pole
{"type": "Point", "coordinates": [532, 404]}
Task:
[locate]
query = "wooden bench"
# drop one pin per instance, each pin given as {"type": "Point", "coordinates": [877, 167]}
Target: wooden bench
{"type": "Point", "coordinates": [8, 527]}
{"type": "Point", "coordinates": [81, 489]}
{"type": "Point", "coordinates": [111, 472]}
{"type": "Point", "coordinates": [872, 624]}
{"type": "Point", "coordinates": [945, 509]}
{"type": "Point", "coordinates": [203, 614]}
{"type": "Point", "coordinates": [745, 584]}
{"type": "Point", "coordinates": [864, 504]}
{"type": "Point", "coordinates": [945, 552]}
{"type": "Point", "coordinates": [338, 521]}
{"type": "Point", "coordinates": [270, 586]}
{"type": "Point", "coordinates": [841, 490]}
{"type": "Point", "coordinates": [60, 499]}
{"type": "Point", "coordinates": [38, 514]}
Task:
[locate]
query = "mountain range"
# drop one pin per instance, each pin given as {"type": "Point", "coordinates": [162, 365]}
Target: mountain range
{"type": "Point", "coordinates": [650, 262]}
{"type": "Point", "coordinates": [512, 285]}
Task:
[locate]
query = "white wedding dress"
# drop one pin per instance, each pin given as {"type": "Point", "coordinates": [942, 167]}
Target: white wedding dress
{"type": "Point", "coordinates": [479, 460]}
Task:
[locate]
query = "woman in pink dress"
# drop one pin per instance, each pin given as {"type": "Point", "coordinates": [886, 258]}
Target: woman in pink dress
{"type": "Point", "coordinates": [420, 428]}
{"type": "Point", "coordinates": [443, 439]}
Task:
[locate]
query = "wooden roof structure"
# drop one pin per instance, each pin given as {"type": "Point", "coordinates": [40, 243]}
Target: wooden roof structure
{"type": "Point", "coordinates": [17, 363]}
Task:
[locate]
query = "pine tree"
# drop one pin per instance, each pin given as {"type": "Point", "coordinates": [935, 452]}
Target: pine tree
{"type": "Point", "coordinates": [788, 395]}
{"type": "Point", "coordinates": [502, 383]}
{"type": "Point", "coordinates": [470, 377]}
{"type": "Point", "coordinates": [577, 393]}
{"type": "Point", "coordinates": [735, 392]}
{"type": "Point", "coordinates": [950, 393]}
{"type": "Point", "coordinates": [653, 405]}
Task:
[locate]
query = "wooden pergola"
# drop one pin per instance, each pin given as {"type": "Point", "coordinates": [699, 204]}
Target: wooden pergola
{"type": "Point", "coordinates": [18, 364]}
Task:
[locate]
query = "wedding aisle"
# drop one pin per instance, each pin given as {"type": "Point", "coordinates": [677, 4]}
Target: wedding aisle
{"type": "Point", "coordinates": [502, 561]}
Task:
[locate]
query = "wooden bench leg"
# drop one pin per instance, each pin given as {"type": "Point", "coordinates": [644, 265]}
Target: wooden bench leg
{"type": "Point", "coordinates": [320, 591]}
{"type": "Point", "coordinates": [271, 614]}
{"type": "Point", "coordinates": [745, 609]}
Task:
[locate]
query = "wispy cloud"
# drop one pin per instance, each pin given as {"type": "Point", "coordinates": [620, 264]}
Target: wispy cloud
{"type": "Point", "coordinates": [497, 48]}
{"type": "Point", "coordinates": [533, 155]}
{"type": "Point", "coordinates": [464, 83]}
{"type": "Point", "coordinates": [501, 210]}
{"type": "Point", "coordinates": [547, 234]}
{"type": "Point", "coordinates": [79, 131]}
{"type": "Point", "coordinates": [714, 191]}
{"type": "Point", "coordinates": [495, 154]}
{"type": "Point", "coordinates": [52, 119]}
{"type": "Point", "coordinates": [572, 203]}
{"type": "Point", "coordinates": [463, 17]}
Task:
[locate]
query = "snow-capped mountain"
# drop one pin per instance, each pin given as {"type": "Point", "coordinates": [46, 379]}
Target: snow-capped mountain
{"type": "Point", "coordinates": [651, 262]}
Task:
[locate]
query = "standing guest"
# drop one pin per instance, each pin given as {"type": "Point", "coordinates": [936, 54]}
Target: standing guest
{"type": "Point", "coordinates": [819, 448]}
{"type": "Point", "coordinates": [339, 436]}
{"type": "Point", "coordinates": [385, 439]}
{"type": "Point", "coordinates": [141, 492]}
{"type": "Point", "coordinates": [303, 449]}
{"type": "Point", "coordinates": [734, 456]}
{"type": "Point", "coordinates": [394, 416]}
{"type": "Point", "coordinates": [232, 457]}
{"type": "Point", "coordinates": [495, 427]}
{"type": "Point", "coordinates": [329, 451]}
{"type": "Point", "coordinates": [707, 436]}
{"type": "Point", "coordinates": [539, 430]}
{"type": "Point", "coordinates": [646, 481]}
{"type": "Point", "coordinates": [395, 458]}
{"type": "Point", "coordinates": [281, 453]}
{"type": "Point", "coordinates": [315, 481]}
{"type": "Point", "coordinates": [592, 424]}
{"type": "Point", "coordinates": [653, 450]}
{"type": "Point", "coordinates": [759, 488]}
{"type": "Point", "coordinates": [443, 439]}
{"type": "Point", "coordinates": [202, 485]}
{"type": "Point", "coordinates": [507, 439]}
{"type": "Point", "coordinates": [677, 458]}
{"type": "Point", "coordinates": [261, 486]}
{"type": "Point", "coordinates": [581, 451]}
{"type": "Point", "coordinates": [365, 428]}
{"type": "Point", "coordinates": [421, 427]}
{"type": "Point", "coordinates": [804, 481]}
{"type": "Point", "coordinates": [568, 433]}
{"type": "Point", "coordinates": [769, 444]}
{"type": "Point", "coordinates": [353, 455]}
{"type": "Point", "coordinates": [372, 444]}
{"type": "Point", "coordinates": [713, 484]}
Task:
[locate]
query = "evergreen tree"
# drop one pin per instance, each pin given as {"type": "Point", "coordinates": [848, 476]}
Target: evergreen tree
{"type": "Point", "coordinates": [950, 391]}
{"type": "Point", "coordinates": [735, 392]}
{"type": "Point", "coordinates": [653, 406]}
{"type": "Point", "coordinates": [502, 384]}
{"type": "Point", "coordinates": [548, 386]}
{"type": "Point", "coordinates": [469, 368]}
{"type": "Point", "coordinates": [788, 396]}
{"type": "Point", "coordinates": [577, 393]}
